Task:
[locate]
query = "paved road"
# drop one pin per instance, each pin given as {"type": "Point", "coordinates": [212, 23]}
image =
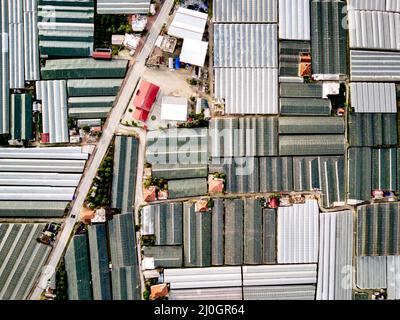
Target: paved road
{"type": "Point", "coordinates": [99, 153]}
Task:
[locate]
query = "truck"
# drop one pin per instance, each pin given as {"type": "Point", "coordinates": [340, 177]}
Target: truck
{"type": "Point", "coordinates": [102, 54]}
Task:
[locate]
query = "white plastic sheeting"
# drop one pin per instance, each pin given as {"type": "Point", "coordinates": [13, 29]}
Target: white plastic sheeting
{"type": "Point", "coordinates": [279, 274]}
{"type": "Point", "coordinates": [36, 193]}
{"type": "Point", "coordinates": [123, 6]}
{"type": "Point", "coordinates": [297, 235]}
{"type": "Point", "coordinates": [40, 165]}
{"type": "Point", "coordinates": [55, 110]}
{"type": "Point", "coordinates": [294, 19]}
{"type": "Point", "coordinates": [245, 45]}
{"type": "Point", "coordinates": [335, 272]}
{"type": "Point", "coordinates": [393, 5]}
{"type": "Point", "coordinates": [31, 41]}
{"type": "Point", "coordinates": [4, 66]}
{"type": "Point", "coordinates": [380, 5]}
{"type": "Point", "coordinates": [374, 30]}
{"type": "Point", "coordinates": [219, 277]}
{"type": "Point", "coordinates": [61, 153]}
{"type": "Point", "coordinates": [17, 73]}
{"type": "Point", "coordinates": [371, 272]}
{"type": "Point", "coordinates": [65, 30]}
{"type": "Point", "coordinates": [393, 279]}
{"type": "Point", "coordinates": [290, 292]}
{"type": "Point", "coordinates": [232, 293]}
{"type": "Point", "coordinates": [367, 4]}
{"type": "Point", "coordinates": [254, 282]}
{"type": "Point", "coordinates": [23, 42]}
{"type": "Point", "coordinates": [40, 174]}
{"type": "Point", "coordinates": [239, 11]}
{"type": "Point", "coordinates": [16, 44]}
{"type": "Point", "coordinates": [379, 272]}
{"type": "Point", "coordinates": [248, 90]}
{"type": "Point", "coordinates": [147, 223]}
{"type": "Point", "coordinates": [52, 179]}
{"type": "Point", "coordinates": [373, 97]}
{"type": "Point", "coordinates": [374, 66]}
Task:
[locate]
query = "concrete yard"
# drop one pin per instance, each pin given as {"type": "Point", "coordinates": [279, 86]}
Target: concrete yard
{"type": "Point", "coordinates": [171, 83]}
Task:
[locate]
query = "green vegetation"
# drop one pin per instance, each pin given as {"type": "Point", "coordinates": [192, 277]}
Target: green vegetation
{"type": "Point", "coordinates": [153, 118]}
{"type": "Point", "coordinates": [71, 123]}
{"type": "Point", "coordinates": [148, 241]}
{"type": "Point", "coordinates": [274, 195]}
{"type": "Point", "coordinates": [61, 283]}
{"type": "Point", "coordinates": [106, 26]}
{"type": "Point", "coordinates": [146, 295]}
{"type": "Point", "coordinates": [210, 8]}
{"type": "Point", "coordinates": [148, 283]}
{"type": "Point", "coordinates": [99, 194]}
{"type": "Point", "coordinates": [219, 175]}
{"type": "Point", "coordinates": [159, 182]}
{"type": "Point", "coordinates": [147, 165]}
{"type": "Point", "coordinates": [361, 296]}
{"type": "Point", "coordinates": [115, 50]}
{"type": "Point", "coordinates": [195, 121]}
{"type": "Point", "coordinates": [86, 129]}
{"type": "Point", "coordinates": [193, 82]}
{"type": "Point", "coordinates": [39, 128]}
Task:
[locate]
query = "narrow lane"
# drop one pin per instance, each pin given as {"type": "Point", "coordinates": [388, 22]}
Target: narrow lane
{"type": "Point", "coordinates": [100, 151]}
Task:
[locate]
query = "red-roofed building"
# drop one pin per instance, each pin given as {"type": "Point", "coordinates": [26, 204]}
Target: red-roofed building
{"type": "Point", "coordinates": [215, 185]}
{"type": "Point", "coordinates": [159, 291]}
{"type": "Point", "coordinates": [201, 205]}
{"type": "Point", "coordinates": [163, 195]}
{"type": "Point", "coordinates": [86, 215]}
{"type": "Point", "coordinates": [150, 194]}
{"type": "Point", "coordinates": [45, 138]}
{"type": "Point", "coordinates": [144, 100]}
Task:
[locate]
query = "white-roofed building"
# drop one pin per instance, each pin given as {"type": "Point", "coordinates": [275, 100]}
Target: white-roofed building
{"type": "Point", "coordinates": [123, 6]}
{"type": "Point", "coordinates": [174, 108]}
{"type": "Point", "coordinates": [188, 24]}
{"type": "Point", "coordinates": [194, 52]}
{"type": "Point", "coordinates": [54, 110]}
{"type": "Point", "coordinates": [373, 97]}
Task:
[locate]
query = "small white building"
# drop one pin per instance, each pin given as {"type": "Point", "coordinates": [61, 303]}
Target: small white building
{"type": "Point", "coordinates": [100, 216]}
{"type": "Point", "coordinates": [117, 39]}
{"type": "Point", "coordinates": [139, 23]}
{"type": "Point", "coordinates": [194, 52]}
{"type": "Point", "coordinates": [174, 108]}
{"type": "Point", "coordinates": [131, 41]}
{"type": "Point", "coordinates": [188, 24]}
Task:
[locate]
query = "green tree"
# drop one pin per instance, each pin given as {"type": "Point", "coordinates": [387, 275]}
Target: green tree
{"type": "Point", "coordinates": [146, 295]}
